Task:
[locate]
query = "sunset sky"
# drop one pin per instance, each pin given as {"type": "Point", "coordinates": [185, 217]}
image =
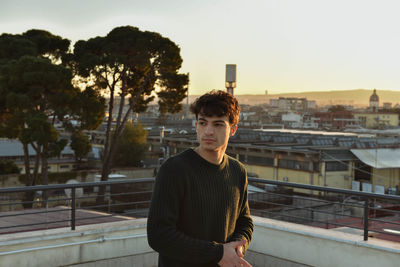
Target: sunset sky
{"type": "Point", "coordinates": [281, 46]}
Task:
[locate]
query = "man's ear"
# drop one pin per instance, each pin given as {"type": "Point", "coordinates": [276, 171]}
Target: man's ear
{"type": "Point", "coordinates": [233, 129]}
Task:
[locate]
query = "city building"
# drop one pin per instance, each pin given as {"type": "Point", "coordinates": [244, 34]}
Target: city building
{"type": "Point", "coordinates": [335, 119]}
{"type": "Point", "coordinates": [292, 103]}
{"type": "Point", "coordinates": [377, 120]}
{"type": "Point", "coordinates": [334, 159]}
{"type": "Point", "coordinates": [12, 149]}
{"type": "Point", "coordinates": [374, 102]}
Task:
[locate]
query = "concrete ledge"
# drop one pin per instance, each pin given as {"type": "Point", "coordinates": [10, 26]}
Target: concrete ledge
{"type": "Point", "coordinates": [124, 243]}
{"type": "Point", "coordinates": [312, 246]}
{"type": "Point", "coordinates": [87, 244]}
{"type": "Point", "coordinates": [257, 259]}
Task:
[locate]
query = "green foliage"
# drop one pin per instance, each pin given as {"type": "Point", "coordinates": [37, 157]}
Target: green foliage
{"type": "Point", "coordinates": [89, 108]}
{"type": "Point", "coordinates": [136, 65]}
{"type": "Point", "coordinates": [38, 130]}
{"type": "Point", "coordinates": [80, 144]}
{"type": "Point", "coordinates": [8, 167]}
{"type": "Point", "coordinates": [168, 97]}
{"type": "Point", "coordinates": [15, 46]}
{"type": "Point", "coordinates": [36, 89]}
{"type": "Point", "coordinates": [55, 148]}
{"type": "Point", "coordinates": [131, 146]}
{"type": "Point", "coordinates": [48, 44]}
{"type": "Point", "coordinates": [140, 61]}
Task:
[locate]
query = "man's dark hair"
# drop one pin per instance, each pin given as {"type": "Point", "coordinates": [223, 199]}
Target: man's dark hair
{"type": "Point", "coordinates": [217, 103]}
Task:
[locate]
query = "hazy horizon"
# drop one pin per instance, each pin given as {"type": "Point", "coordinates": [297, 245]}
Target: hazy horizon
{"type": "Point", "coordinates": [282, 46]}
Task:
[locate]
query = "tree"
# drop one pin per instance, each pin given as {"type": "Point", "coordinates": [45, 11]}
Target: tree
{"type": "Point", "coordinates": [81, 146]}
{"type": "Point", "coordinates": [32, 89]}
{"type": "Point", "coordinates": [36, 90]}
{"type": "Point", "coordinates": [131, 146]}
{"type": "Point", "coordinates": [135, 65]}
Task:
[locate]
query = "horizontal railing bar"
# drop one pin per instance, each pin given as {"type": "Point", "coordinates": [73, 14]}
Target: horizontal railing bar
{"type": "Point", "coordinates": [30, 213]}
{"type": "Point", "coordinates": [33, 224]}
{"type": "Point", "coordinates": [386, 210]}
{"type": "Point", "coordinates": [309, 209]}
{"type": "Point", "coordinates": [113, 205]}
{"type": "Point", "coordinates": [131, 193]}
{"type": "Point", "coordinates": [383, 221]}
{"type": "Point", "coordinates": [312, 199]}
{"type": "Point", "coordinates": [313, 220]}
{"type": "Point", "coordinates": [325, 189]}
{"type": "Point", "coordinates": [77, 185]}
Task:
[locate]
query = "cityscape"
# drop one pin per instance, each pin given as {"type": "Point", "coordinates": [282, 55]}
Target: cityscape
{"type": "Point", "coordinates": [91, 109]}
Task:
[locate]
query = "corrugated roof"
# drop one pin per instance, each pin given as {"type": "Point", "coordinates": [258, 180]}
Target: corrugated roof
{"type": "Point", "coordinates": [337, 155]}
{"type": "Point", "coordinates": [13, 148]}
{"type": "Point", "coordinates": [381, 158]}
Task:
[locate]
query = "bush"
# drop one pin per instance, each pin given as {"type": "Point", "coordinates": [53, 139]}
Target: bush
{"type": "Point", "coordinates": [8, 167]}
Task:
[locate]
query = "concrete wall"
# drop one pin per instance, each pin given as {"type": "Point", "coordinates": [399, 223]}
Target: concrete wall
{"type": "Point", "coordinates": [261, 171]}
{"type": "Point", "coordinates": [114, 244]}
{"type": "Point", "coordinates": [300, 245]}
{"type": "Point", "coordinates": [386, 177]}
{"type": "Point", "coordinates": [338, 179]}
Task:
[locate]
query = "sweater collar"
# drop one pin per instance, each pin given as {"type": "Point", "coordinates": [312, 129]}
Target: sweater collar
{"type": "Point", "coordinates": [207, 163]}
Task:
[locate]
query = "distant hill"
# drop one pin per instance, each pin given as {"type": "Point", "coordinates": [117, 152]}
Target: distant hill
{"type": "Point", "coordinates": [355, 97]}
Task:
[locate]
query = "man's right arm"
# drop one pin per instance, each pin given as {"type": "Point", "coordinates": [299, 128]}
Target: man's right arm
{"type": "Point", "coordinates": [162, 232]}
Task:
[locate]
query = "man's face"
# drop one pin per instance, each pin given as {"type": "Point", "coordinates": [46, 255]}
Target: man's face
{"type": "Point", "coordinates": [213, 132]}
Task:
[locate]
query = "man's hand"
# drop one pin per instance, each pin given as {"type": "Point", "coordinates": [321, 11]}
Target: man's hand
{"type": "Point", "coordinates": [233, 255]}
{"type": "Point", "coordinates": [239, 250]}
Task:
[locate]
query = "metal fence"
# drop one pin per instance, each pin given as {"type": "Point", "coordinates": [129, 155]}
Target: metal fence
{"type": "Point", "coordinates": [376, 215]}
{"type": "Point", "coordinates": [69, 205]}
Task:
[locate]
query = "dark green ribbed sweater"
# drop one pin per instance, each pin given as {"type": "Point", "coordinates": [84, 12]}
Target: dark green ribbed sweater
{"type": "Point", "coordinates": [196, 207]}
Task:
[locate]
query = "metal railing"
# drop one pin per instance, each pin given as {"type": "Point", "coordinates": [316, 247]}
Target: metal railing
{"type": "Point", "coordinates": [69, 205]}
{"type": "Point", "coordinates": [328, 207]}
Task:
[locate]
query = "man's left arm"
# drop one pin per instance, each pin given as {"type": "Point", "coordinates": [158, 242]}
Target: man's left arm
{"type": "Point", "coordinates": [244, 224]}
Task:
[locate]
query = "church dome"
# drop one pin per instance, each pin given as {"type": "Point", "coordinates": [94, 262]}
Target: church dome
{"type": "Point", "coordinates": [374, 97]}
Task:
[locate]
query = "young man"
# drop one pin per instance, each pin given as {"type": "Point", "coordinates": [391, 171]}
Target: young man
{"type": "Point", "coordinates": [199, 214]}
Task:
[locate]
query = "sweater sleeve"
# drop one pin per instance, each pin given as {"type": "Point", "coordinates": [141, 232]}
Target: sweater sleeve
{"type": "Point", "coordinates": [244, 224]}
{"type": "Point", "coordinates": [163, 235]}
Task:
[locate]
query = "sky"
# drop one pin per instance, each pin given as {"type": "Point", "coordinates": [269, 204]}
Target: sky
{"type": "Point", "coordinates": [279, 46]}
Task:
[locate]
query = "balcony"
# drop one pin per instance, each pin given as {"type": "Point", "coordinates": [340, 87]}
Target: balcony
{"type": "Point", "coordinates": [117, 236]}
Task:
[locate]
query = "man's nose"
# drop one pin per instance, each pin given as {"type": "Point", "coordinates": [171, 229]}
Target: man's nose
{"type": "Point", "coordinates": [209, 129]}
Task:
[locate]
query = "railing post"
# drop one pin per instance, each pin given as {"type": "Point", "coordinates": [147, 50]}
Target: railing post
{"type": "Point", "coordinates": [366, 212]}
{"type": "Point", "coordinates": [73, 203]}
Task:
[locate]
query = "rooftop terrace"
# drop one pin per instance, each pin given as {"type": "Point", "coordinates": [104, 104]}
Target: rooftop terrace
{"type": "Point", "coordinates": [329, 230]}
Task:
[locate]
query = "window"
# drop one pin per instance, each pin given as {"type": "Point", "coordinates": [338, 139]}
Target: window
{"type": "Point", "coordinates": [260, 160]}
{"type": "Point", "coordinates": [64, 166]}
{"type": "Point", "coordinates": [293, 164]}
{"type": "Point", "coordinates": [337, 166]}
{"type": "Point", "coordinates": [316, 166]}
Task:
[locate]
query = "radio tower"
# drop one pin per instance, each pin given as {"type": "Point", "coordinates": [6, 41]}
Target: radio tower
{"type": "Point", "coordinates": [230, 77]}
